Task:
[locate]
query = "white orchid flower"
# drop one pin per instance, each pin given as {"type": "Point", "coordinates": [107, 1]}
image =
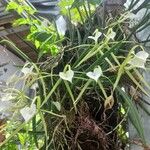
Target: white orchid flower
{"type": "Point", "coordinates": [34, 86]}
{"type": "Point", "coordinates": [68, 75]}
{"type": "Point", "coordinates": [95, 74]}
{"type": "Point", "coordinates": [27, 70]}
{"type": "Point", "coordinates": [28, 112]}
{"type": "Point", "coordinates": [133, 18]}
{"type": "Point", "coordinates": [111, 35]}
{"type": "Point", "coordinates": [96, 36]}
{"type": "Point", "coordinates": [139, 59]}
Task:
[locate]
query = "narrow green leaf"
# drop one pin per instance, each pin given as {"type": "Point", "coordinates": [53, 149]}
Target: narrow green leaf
{"type": "Point", "coordinates": [71, 95]}
{"type": "Point", "coordinates": [142, 79]}
{"type": "Point", "coordinates": [21, 138]}
{"type": "Point", "coordinates": [53, 114]}
{"type": "Point", "coordinates": [17, 50]}
{"type": "Point", "coordinates": [102, 88]}
{"type": "Point", "coordinates": [144, 107]}
{"type": "Point", "coordinates": [51, 92]}
{"type": "Point", "coordinates": [82, 91]}
{"type": "Point", "coordinates": [120, 72]}
{"type": "Point", "coordinates": [90, 54]}
{"type": "Point", "coordinates": [107, 54]}
{"type": "Point", "coordinates": [44, 125]}
{"type": "Point", "coordinates": [133, 114]}
{"type": "Point", "coordinates": [57, 105]}
{"type": "Point", "coordinates": [34, 130]}
{"type": "Point", "coordinates": [137, 83]}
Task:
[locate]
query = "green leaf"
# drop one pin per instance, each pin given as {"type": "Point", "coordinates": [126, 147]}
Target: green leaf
{"type": "Point", "coordinates": [102, 88]}
{"type": "Point", "coordinates": [71, 95]}
{"type": "Point", "coordinates": [72, 12]}
{"type": "Point", "coordinates": [21, 21]}
{"type": "Point", "coordinates": [39, 36]}
{"type": "Point", "coordinates": [21, 138]}
{"type": "Point", "coordinates": [21, 126]}
{"type": "Point", "coordinates": [94, 2]}
{"type": "Point", "coordinates": [77, 3]}
{"type": "Point", "coordinates": [133, 114]}
{"type": "Point", "coordinates": [51, 92]}
{"type": "Point", "coordinates": [54, 49]}
{"type": "Point", "coordinates": [12, 6]}
{"type": "Point", "coordinates": [37, 44]}
{"type": "Point", "coordinates": [107, 54]}
{"type": "Point", "coordinates": [144, 107]}
{"type": "Point", "coordinates": [137, 83]}
{"type": "Point", "coordinates": [42, 36]}
{"type": "Point", "coordinates": [57, 105]}
{"type": "Point", "coordinates": [82, 91]}
{"type": "Point", "coordinates": [17, 50]}
{"type": "Point", "coordinates": [20, 10]}
{"type": "Point", "coordinates": [65, 5]}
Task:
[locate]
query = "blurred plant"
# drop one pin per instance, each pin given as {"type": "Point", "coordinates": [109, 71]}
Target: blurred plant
{"type": "Point", "coordinates": [42, 32]}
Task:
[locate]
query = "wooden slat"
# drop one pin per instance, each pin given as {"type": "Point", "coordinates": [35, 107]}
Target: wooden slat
{"type": "Point", "coordinates": [13, 30]}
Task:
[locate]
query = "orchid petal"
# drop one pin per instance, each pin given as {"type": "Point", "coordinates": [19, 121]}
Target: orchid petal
{"type": "Point", "coordinates": [26, 70]}
{"type": "Point", "coordinates": [95, 74]}
{"type": "Point", "coordinates": [68, 75]}
{"type": "Point", "coordinates": [96, 36]}
{"type": "Point", "coordinates": [139, 59]}
{"type": "Point", "coordinates": [111, 35]}
{"type": "Point", "coordinates": [28, 112]}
